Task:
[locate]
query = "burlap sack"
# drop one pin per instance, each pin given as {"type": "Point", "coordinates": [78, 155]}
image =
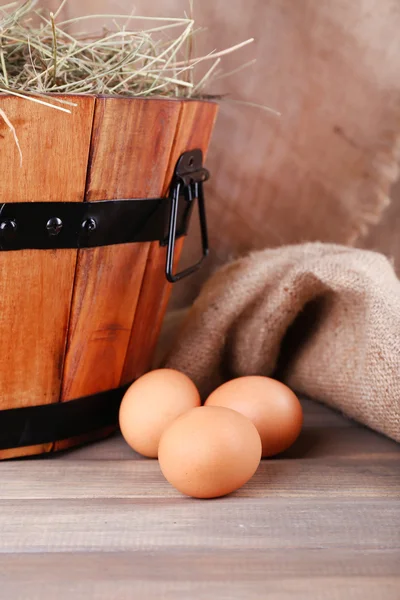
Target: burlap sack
{"type": "Point", "coordinates": [323, 318]}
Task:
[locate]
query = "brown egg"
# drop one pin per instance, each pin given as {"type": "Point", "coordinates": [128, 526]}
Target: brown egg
{"type": "Point", "coordinates": [269, 404]}
{"type": "Point", "coordinates": [209, 452]}
{"type": "Point", "coordinates": [151, 403]}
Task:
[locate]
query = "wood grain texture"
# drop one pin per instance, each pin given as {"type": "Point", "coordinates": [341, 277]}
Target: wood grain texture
{"type": "Point", "coordinates": [142, 479]}
{"type": "Point", "coordinates": [331, 442]}
{"type": "Point", "coordinates": [201, 574]}
{"type": "Point", "coordinates": [120, 582]}
{"type": "Point", "coordinates": [202, 565]}
{"type": "Point", "coordinates": [236, 523]}
{"type": "Point", "coordinates": [130, 149]}
{"type": "Point", "coordinates": [36, 286]}
{"type": "Point", "coordinates": [194, 130]}
{"type": "Point", "coordinates": [101, 523]}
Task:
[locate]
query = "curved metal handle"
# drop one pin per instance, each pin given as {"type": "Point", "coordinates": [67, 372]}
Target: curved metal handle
{"type": "Point", "coordinates": [191, 195]}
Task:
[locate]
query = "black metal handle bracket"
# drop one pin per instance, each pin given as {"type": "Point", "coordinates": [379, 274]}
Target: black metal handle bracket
{"type": "Point", "coordinates": [187, 184]}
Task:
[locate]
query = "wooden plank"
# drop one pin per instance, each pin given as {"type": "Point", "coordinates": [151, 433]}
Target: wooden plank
{"type": "Point", "coordinates": [316, 443]}
{"type": "Point", "coordinates": [130, 150]}
{"type": "Point", "coordinates": [36, 286]}
{"type": "Point", "coordinates": [325, 434]}
{"type": "Point", "coordinates": [357, 588]}
{"type": "Point", "coordinates": [202, 574]}
{"type": "Point", "coordinates": [325, 442]}
{"type": "Point", "coordinates": [194, 131]}
{"type": "Point", "coordinates": [199, 565]}
{"type": "Point", "coordinates": [316, 479]}
{"type": "Point", "coordinates": [232, 523]}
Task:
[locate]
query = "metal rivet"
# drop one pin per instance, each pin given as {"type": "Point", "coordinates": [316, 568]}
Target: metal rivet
{"type": "Point", "coordinates": [7, 228]}
{"type": "Point", "coordinates": [54, 225]}
{"type": "Point", "coordinates": [89, 224]}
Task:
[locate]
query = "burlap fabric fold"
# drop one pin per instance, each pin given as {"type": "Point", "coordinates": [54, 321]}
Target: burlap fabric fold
{"type": "Point", "coordinates": [323, 318]}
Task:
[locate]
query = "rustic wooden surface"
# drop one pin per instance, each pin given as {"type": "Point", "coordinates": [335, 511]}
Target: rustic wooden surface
{"type": "Point", "coordinates": [100, 522]}
{"type": "Point", "coordinates": [36, 286]}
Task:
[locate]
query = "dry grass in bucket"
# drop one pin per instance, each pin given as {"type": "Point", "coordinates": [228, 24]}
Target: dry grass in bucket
{"type": "Point", "coordinates": [139, 56]}
{"type": "Point", "coordinates": [42, 56]}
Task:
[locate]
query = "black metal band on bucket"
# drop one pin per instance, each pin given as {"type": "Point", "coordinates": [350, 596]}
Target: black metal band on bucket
{"type": "Point", "coordinates": [47, 423]}
{"type": "Point", "coordinates": [57, 225]}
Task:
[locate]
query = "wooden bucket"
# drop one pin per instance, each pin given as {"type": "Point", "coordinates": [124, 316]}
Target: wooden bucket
{"type": "Point", "coordinates": [77, 324]}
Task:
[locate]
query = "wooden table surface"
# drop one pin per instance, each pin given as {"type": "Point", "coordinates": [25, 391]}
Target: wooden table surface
{"type": "Point", "coordinates": [323, 521]}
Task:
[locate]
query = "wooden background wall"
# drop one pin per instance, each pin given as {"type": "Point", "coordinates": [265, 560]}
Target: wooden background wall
{"type": "Point", "coordinates": [324, 169]}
